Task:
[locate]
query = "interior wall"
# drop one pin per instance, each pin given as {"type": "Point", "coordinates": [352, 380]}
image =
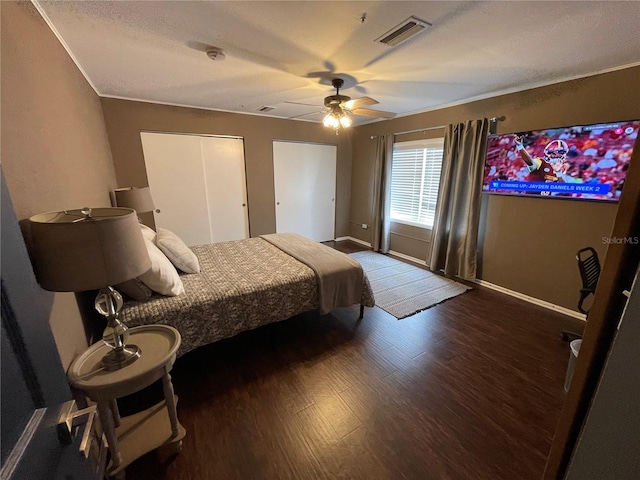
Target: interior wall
{"type": "Point", "coordinates": [526, 244]}
{"type": "Point", "coordinates": [126, 119]}
{"type": "Point", "coordinates": [55, 151]}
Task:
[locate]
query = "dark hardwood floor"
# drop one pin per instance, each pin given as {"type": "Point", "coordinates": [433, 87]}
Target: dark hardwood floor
{"type": "Point", "coordinates": [469, 389]}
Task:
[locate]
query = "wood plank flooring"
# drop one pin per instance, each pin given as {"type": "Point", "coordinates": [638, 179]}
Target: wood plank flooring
{"type": "Point", "coordinates": [469, 389]}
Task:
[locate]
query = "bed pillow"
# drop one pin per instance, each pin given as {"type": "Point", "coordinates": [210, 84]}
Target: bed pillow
{"type": "Point", "coordinates": [162, 277]}
{"type": "Point", "coordinates": [148, 233]}
{"type": "Point", "coordinates": [135, 289]}
{"type": "Point", "coordinates": [177, 251]}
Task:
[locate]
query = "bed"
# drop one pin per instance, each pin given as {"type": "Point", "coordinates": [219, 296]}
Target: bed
{"type": "Point", "coordinates": [248, 283]}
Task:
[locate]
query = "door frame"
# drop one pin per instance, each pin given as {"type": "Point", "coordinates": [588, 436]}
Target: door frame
{"type": "Point", "coordinates": [617, 275]}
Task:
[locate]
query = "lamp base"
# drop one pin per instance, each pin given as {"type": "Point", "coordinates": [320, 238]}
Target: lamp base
{"type": "Point", "coordinates": [121, 357]}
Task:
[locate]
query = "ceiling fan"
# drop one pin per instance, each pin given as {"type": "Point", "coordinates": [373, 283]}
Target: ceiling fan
{"type": "Point", "coordinates": [340, 106]}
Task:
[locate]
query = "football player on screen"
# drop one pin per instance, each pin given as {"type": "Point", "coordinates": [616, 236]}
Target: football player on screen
{"type": "Point", "coordinates": [552, 168]}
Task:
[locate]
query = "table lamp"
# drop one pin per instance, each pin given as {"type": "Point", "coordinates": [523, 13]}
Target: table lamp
{"type": "Point", "coordinates": [138, 198]}
{"type": "Point", "coordinates": [91, 249]}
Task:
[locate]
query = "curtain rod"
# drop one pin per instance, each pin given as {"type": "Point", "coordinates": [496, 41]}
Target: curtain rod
{"type": "Point", "coordinates": [492, 120]}
{"type": "Point", "coordinates": [414, 131]}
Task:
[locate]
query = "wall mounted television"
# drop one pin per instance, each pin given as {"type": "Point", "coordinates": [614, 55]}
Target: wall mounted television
{"type": "Point", "coordinates": [586, 162]}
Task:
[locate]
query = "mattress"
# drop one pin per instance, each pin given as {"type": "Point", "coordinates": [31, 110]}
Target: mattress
{"type": "Point", "coordinates": [242, 285]}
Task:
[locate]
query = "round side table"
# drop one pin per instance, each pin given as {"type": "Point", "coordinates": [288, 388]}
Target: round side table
{"type": "Point", "coordinates": [131, 437]}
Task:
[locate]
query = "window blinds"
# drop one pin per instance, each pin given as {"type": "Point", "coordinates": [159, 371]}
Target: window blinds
{"type": "Point", "coordinates": [415, 179]}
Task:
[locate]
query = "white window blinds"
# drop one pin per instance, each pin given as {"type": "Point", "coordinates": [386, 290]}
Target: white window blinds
{"type": "Point", "coordinates": [415, 179]}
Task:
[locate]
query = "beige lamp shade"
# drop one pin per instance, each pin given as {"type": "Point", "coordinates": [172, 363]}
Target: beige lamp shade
{"type": "Point", "coordinates": [73, 252]}
{"type": "Point", "coordinates": [138, 198]}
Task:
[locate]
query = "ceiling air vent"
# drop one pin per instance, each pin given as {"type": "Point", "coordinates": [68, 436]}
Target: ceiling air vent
{"type": "Point", "coordinates": [403, 32]}
{"type": "Point", "coordinates": [265, 109]}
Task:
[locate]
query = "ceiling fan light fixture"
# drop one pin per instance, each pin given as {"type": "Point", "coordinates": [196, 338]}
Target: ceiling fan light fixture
{"type": "Point", "coordinates": [337, 118]}
{"type": "Point", "coordinates": [345, 120]}
{"type": "Point", "coordinates": [341, 107]}
{"type": "Point", "coordinates": [331, 121]}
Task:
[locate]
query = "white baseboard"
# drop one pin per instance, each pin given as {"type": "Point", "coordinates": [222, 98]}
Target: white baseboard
{"type": "Point", "coordinates": [521, 296]}
{"type": "Point", "coordinates": [357, 240]}
{"type": "Point", "coordinates": [341, 239]}
{"type": "Point", "coordinates": [535, 301]}
{"type": "Point", "coordinates": [407, 257]}
{"type": "Point", "coordinates": [391, 252]}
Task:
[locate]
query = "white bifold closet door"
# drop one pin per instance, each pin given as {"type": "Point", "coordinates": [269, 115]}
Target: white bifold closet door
{"type": "Point", "coordinates": [305, 189]}
{"type": "Point", "coordinates": [198, 186]}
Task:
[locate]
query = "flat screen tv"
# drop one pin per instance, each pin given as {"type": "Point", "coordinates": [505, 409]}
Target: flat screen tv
{"type": "Point", "coordinates": [587, 162]}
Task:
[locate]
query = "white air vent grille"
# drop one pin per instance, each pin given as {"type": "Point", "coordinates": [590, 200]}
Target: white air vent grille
{"type": "Point", "coordinates": [265, 109]}
{"type": "Point", "coordinates": [403, 32]}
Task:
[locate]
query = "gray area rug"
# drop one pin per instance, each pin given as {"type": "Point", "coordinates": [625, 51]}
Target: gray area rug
{"type": "Point", "coordinates": [402, 289]}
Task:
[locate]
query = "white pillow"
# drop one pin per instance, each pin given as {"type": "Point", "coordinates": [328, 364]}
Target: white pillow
{"type": "Point", "coordinates": [148, 233]}
{"type": "Point", "coordinates": [162, 277]}
{"type": "Point", "coordinates": [135, 289]}
{"type": "Point", "coordinates": [177, 251]}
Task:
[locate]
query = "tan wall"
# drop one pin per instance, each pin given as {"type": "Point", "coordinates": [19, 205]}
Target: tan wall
{"type": "Point", "coordinates": [55, 151]}
{"type": "Point", "coordinates": [126, 119]}
{"type": "Point", "coordinates": [526, 244]}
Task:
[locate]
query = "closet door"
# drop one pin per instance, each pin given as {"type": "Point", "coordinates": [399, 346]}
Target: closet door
{"type": "Point", "coordinates": [177, 182]}
{"type": "Point", "coordinates": [224, 175]}
{"type": "Point", "coordinates": [305, 189]}
{"type": "Point", "coordinates": [198, 186]}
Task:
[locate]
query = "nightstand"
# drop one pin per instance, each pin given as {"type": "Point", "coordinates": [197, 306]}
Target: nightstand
{"type": "Point", "coordinates": [131, 437]}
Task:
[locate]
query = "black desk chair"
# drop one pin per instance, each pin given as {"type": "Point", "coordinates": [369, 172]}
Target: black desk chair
{"type": "Point", "coordinates": [589, 267]}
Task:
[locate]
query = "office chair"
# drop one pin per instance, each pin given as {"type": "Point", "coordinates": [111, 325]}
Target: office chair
{"type": "Point", "coordinates": [589, 267]}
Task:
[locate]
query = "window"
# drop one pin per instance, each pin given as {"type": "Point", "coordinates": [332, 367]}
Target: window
{"type": "Point", "coordinates": [415, 179]}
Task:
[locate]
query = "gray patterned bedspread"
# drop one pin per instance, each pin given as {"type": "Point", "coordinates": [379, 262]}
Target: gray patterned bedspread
{"type": "Point", "coordinates": [242, 285]}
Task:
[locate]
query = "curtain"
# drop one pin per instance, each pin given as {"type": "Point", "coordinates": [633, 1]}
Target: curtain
{"type": "Point", "coordinates": [381, 204]}
{"type": "Point", "coordinates": [454, 240]}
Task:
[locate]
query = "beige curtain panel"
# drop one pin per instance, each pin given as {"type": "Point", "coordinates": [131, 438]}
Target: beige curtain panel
{"type": "Point", "coordinates": [454, 247]}
{"type": "Point", "coordinates": [382, 194]}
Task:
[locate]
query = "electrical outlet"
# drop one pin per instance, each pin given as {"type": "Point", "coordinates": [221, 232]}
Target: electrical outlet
{"type": "Point", "coordinates": [365, 226]}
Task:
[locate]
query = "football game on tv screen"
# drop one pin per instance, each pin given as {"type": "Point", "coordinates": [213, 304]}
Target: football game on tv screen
{"type": "Point", "coordinates": [588, 162]}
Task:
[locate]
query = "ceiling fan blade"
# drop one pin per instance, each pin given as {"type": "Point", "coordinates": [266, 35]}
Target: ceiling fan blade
{"type": "Point", "coordinates": [359, 102]}
{"type": "Point", "coordinates": [373, 113]}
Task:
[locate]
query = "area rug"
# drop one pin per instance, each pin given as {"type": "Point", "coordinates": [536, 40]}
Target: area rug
{"type": "Point", "coordinates": [402, 289]}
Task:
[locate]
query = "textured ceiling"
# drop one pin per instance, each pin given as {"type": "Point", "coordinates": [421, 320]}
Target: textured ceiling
{"type": "Point", "coordinates": [279, 52]}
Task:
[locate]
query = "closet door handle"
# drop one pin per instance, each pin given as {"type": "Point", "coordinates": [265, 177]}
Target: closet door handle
{"type": "Point", "coordinates": [157, 210]}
